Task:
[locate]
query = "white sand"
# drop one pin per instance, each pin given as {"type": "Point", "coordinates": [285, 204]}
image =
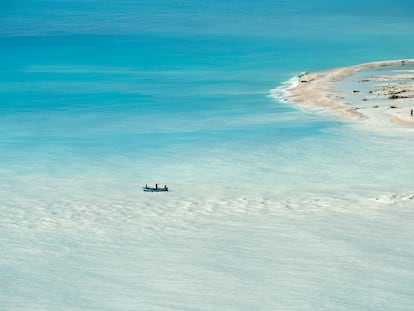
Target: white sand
{"type": "Point", "coordinates": [394, 99]}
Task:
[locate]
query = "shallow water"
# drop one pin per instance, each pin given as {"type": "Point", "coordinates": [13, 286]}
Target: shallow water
{"type": "Point", "coordinates": [202, 250]}
{"type": "Point", "coordinates": [271, 207]}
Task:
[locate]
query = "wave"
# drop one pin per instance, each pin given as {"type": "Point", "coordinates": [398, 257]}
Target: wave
{"type": "Point", "coordinates": [282, 92]}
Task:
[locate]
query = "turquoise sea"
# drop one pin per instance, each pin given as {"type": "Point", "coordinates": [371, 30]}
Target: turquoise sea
{"type": "Point", "coordinates": [271, 207]}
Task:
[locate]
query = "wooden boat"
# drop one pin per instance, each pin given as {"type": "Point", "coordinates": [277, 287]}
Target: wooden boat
{"type": "Point", "coordinates": [155, 189]}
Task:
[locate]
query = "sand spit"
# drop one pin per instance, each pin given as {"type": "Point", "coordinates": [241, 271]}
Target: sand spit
{"type": "Point", "coordinates": [392, 94]}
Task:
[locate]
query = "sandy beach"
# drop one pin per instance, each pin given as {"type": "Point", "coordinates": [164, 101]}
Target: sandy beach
{"type": "Point", "coordinates": [386, 93]}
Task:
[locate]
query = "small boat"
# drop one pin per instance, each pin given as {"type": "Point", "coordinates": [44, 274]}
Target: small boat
{"type": "Point", "coordinates": [155, 189]}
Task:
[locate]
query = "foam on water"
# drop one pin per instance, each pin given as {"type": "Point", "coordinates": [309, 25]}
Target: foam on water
{"type": "Point", "coordinates": [283, 91]}
{"type": "Point", "coordinates": [76, 246]}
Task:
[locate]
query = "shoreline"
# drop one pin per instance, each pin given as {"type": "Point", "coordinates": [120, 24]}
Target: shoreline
{"type": "Point", "coordinates": [392, 94]}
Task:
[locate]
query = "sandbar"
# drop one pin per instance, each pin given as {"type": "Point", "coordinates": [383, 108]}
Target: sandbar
{"type": "Point", "coordinates": [385, 89]}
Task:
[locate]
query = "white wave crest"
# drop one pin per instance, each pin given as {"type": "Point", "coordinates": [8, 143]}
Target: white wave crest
{"type": "Point", "coordinates": [282, 92]}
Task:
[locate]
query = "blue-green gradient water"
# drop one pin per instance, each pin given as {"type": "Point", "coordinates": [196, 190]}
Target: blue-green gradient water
{"type": "Point", "coordinates": [98, 98]}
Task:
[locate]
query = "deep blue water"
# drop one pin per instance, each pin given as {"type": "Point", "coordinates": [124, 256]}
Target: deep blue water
{"type": "Point", "coordinates": [100, 86]}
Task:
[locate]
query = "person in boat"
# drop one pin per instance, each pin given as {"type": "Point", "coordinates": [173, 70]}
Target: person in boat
{"type": "Point", "coordinates": [156, 186]}
{"type": "Point", "coordinates": [146, 186]}
{"type": "Point", "coordinates": [165, 188]}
